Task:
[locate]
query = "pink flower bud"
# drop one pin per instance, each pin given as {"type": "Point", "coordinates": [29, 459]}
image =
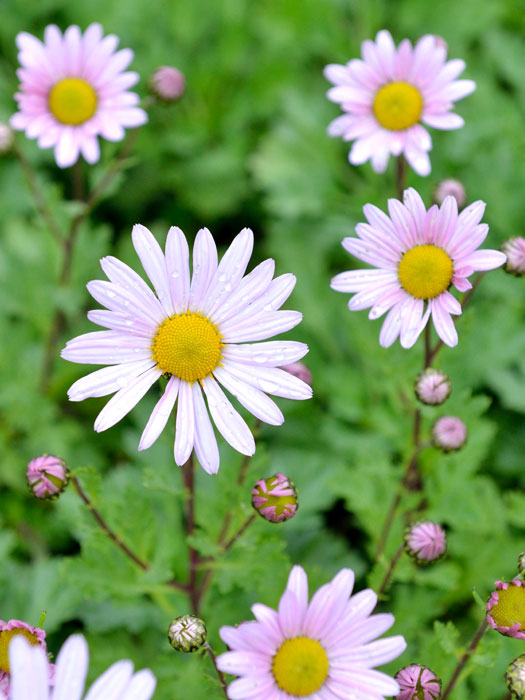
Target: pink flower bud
{"type": "Point", "coordinates": [418, 683]}
{"type": "Point", "coordinates": [275, 498]}
{"type": "Point", "coordinates": [449, 433]}
{"type": "Point", "coordinates": [300, 371]}
{"type": "Point", "coordinates": [432, 386]}
{"type": "Point", "coordinates": [168, 83]}
{"type": "Point", "coordinates": [425, 541]}
{"type": "Point", "coordinates": [514, 249]}
{"type": "Point", "coordinates": [452, 188]}
{"type": "Point", "coordinates": [47, 476]}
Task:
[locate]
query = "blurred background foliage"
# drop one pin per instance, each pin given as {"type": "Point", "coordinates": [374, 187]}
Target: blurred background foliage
{"type": "Point", "coordinates": [247, 146]}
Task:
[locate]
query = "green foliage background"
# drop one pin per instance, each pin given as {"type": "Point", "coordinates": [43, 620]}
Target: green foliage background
{"type": "Point", "coordinates": [247, 146]}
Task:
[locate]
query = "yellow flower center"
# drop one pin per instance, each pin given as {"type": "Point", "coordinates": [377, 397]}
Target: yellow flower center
{"type": "Point", "coordinates": [73, 101]}
{"type": "Point", "coordinates": [300, 666]}
{"type": "Point", "coordinates": [425, 271]}
{"type": "Point", "coordinates": [510, 607]}
{"type": "Point", "coordinates": [5, 637]}
{"type": "Point", "coordinates": [188, 346]}
{"type": "Point", "coordinates": [398, 106]}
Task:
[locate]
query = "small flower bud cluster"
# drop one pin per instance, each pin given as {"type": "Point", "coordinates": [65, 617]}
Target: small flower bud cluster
{"type": "Point", "coordinates": [47, 476]}
{"type": "Point", "coordinates": [187, 633]}
{"type": "Point", "coordinates": [417, 683]}
{"type": "Point", "coordinates": [275, 498]}
{"type": "Point", "coordinates": [425, 541]}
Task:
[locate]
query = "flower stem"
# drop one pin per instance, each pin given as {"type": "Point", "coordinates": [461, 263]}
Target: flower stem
{"type": "Point", "coordinates": [239, 533]}
{"type": "Point", "coordinates": [401, 171]}
{"type": "Point", "coordinates": [220, 674]}
{"type": "Point", "coordinates": [463, 660]}
{"type": "Point", "coordinates": [393, 563]}
{"type": "Point", "coordinates": [188, 476]}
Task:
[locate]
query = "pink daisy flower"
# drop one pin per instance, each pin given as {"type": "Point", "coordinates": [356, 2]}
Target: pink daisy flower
{"type": "Point", "coordinates": [322, 650]}
{"type": "Point", "coordinates": [418, 254]}
{"type": "Point", "coordinates": [197, 334]}
{"type": "Point", "coordinates": [386, 95]}
{"type": "Point", "coordinates": [73, 89]}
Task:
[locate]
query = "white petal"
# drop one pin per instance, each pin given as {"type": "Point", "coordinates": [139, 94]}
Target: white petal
{"type": "Point", "coordinates": [185, 425]}
{"type": "Point", "coordinates": [443, 323]}
{"type": "Point", "coordinates": [117, 298]}
{"type": "Point", "coordinates": [124, 276]}
{"type": "Point", "coordinates": [230, 271]}
{"type": "Point", "coordinates": [107, 380]}
{"type": "Point", "coordinates": [106, 347]}
{"type": "Point", "coordinates": [264, 325]}
{"type": "Point", "coordinates": [152, 259]}
{"type": "Point", "coordinates": [272, 353]}
{"type": "Point", "coordinates": [249, 288]}
{"type": "Point", "coordinates": [206, 447]}
{"type": "Point", "coordinates": [141, 686]}
{"type": "Point", "coordinates": [178, 269]}
{"type": "Point", "coordinates": [204, 268]}
{"type": "Point", "coordinates": [271, 380]}
{"type": "Point", "coordinates": [121, 322]}
{"type": "Point", "coordinates": [112, 683]}
{"type": "Point", "coordinates": [228, 421]}
{"type": "Point", "coordinates": [250, 397]}
{"type": "Point", "coordinates": [125, 399]}
{"type": "Point", "coordinates": [29, 670]}
{"type": "Point", "coordinates": [272, 299]}
{"type": "Point", "coordinates": [71, 669]}
{"type": "Point", "coordinates": [160, 414]}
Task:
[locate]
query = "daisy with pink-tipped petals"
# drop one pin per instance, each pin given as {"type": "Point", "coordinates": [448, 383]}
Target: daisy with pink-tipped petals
{"type": "Point", "coordinates": [418, 255]}
{"type": "Point", "coordinates": [387, 96]}
{"type": "Point", "coordinates": [74, 88]}
{"type": "Point", "coordinates": [325, 649]}
{"type": "Point", "coordinates": [197, 331]}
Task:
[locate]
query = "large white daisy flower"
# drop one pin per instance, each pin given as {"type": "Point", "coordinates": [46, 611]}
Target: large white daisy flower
{"type": "Point", "coordinates": [73, 89]}
{"type": "Point", "coordinates": [197, 334]}
{"type": "Point", "coordinates": [30, 675]}
{"type": "Point", "coordinates": [387, 94]}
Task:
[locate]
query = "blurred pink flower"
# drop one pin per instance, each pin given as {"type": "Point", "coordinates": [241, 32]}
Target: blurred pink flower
{"type": "Point", "coordinates": [389, 92]}
{"type": "Point", "coordinates": [73, 89]}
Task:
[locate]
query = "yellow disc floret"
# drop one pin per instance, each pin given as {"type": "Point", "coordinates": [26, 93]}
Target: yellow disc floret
{"type": "Point", "coordinates": [5, 637]}
{"type": "Point", "coordinates": [300, 666]}
{"type": "Point", "coordinates": [398, 106]}
{"type": "Point", "coordinates": [188, 346]}
{"type": "Point", "coordinates": [425, 271]}
{"type": "Point", "coordinates": [72, 101]}
{"type": "Point", "coordinates": [510, 608]}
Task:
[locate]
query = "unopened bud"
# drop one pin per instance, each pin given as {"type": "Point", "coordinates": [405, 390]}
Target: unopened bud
{"type": "Point", "coordinates": [432, 386]}
{"type": "Point", "coordinates": [7, 138]}
{"type": "Point", "coordinates": [449, 433]}
{"type": "Point", "coordinates": [440, 42]}
{"type": "Point", "coordinates": [47, 476]}
{"type": "Point", "coordinates": [453, 188]}
{"type": "Point", "coordinates": [425, 541]}
{"type": "Point", "coordinates": [275, 498]}
{"type": "Point", "coordinates": [417, 683]}
{"type": "Point", "coordinates": [515, 677]}
{"type": "Point", "coordinates": [168, 83]}
{"type": "Point", "coordinates": [514, 249]}
{"type": "Point", "coordinates": [300, 371]}
{"type": "Point", "coordinates": [187, 633]}
{"type": "Point", "coordinates": [521, 563]}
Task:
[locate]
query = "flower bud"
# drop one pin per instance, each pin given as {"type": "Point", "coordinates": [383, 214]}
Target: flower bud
{"type": "Point", "coordinates": [425, 541]}
{"type": "Point", "coordinates": [168, 83]}
{"type": "Point", "coordinates": [449, 433]}
{"type": "Point", "coordinates": [47, 476]}
{"type": "Point", "coordinates": [275, 498]}
{"type": "Point", "coordinates": [514, 249]}
{"type": "Point", "coordinates": [515, 677]}
{"type": "Point", "coordinates": [521, 563]}
{"type": "Point", "coordinates": [452, 188]}
{"type": "Point", "coordinates": [417, 682]}
{"type": "Point", "coordinates": [300, 371]}
{"type": "Point", "coordinates": [6, 138]}
{"type": "Point", "coordinates": [506, 608]}
{"type": "Point", "coordinates": [432, 386]}
{"type": "Point", "coordinates": [440, 42]}
{"type": "Point", "coordinates": [187, 633]}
